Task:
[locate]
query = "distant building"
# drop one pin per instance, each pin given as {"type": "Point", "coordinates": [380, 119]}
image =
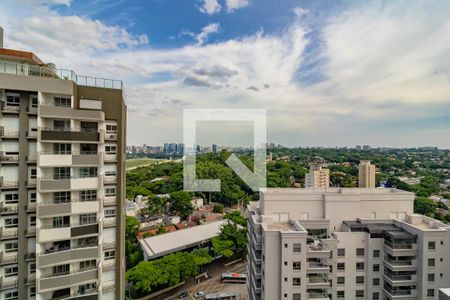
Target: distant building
{"type": "Point", "coordinates": [366, 147]}
{"type": "Point", "coordinates": [214, 148]}
{"type": "Point", "coordinates": [318, 177]}
{"type": "Point", "coordinates": [358, 147]}
{"type": "Point", "coordinates": [366, 174]}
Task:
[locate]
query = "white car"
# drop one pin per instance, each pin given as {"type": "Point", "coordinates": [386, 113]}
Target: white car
{"type": "Point", "coordinates": [199, 294]}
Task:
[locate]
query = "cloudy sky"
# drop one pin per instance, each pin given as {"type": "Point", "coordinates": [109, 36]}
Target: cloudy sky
{"type": "Point", "coordinates": [329, 73]}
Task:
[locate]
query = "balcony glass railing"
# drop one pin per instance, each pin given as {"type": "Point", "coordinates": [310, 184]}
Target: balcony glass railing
{"type": "Point", "coordinates": [400, 246]}
{"type": "Point", "coordinates": [48, 72]}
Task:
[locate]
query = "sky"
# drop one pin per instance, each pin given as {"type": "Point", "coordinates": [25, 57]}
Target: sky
{"type": "Point", "coordinates": [329, 73]}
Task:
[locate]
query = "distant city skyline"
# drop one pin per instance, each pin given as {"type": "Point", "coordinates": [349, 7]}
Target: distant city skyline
{"type": "Point", "coordinates": [329, 73]}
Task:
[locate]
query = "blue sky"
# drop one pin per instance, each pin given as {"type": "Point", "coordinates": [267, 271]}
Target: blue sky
{"type": "Point", "coordinates": [329, 73]}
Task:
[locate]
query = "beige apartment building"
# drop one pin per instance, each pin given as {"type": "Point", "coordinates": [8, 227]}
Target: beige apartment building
{"type": "Point", "coordinates": [318, 176]}
{"type": "Point", "coordinates": [62, 140]}
{"type": "Point", "coordinates": [366, 174]}
{"type": "Point", "coordinates": [344, 243]}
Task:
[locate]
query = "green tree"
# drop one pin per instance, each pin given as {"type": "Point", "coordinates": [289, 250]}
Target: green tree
{"type": "Point", "coordinates": [218, 208]}
{"type": "Point", "coordinates": [180, 202]}
{"type": "Point", "coordinates": [424, 206]}
{"type": "Point", "coordinates": [232, 240]}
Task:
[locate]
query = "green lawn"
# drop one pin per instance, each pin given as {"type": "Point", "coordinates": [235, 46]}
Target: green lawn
{"type": "Point", "coordinates": [140, 162]}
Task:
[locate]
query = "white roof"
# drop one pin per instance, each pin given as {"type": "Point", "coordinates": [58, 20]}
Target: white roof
{"type": "Point", "coordinates": [166, 243]}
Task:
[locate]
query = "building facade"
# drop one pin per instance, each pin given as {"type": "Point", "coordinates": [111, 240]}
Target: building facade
{"type": "Point", "coordinates": [62, 182]}
{"type": "Point", "coordinates": [353, 243]}
{"type": "Point", "coordinates": [366, 174]}
{"type": "Point", "coordinates": [318, 177]}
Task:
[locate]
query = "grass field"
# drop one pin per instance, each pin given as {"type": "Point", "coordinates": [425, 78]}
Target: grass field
{"type": "Point", "coordinates": [140, 162]}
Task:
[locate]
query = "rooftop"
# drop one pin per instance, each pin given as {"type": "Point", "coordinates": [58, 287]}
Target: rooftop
{"type": "Point", "coordinates": [332, 190]}
{"type": "Point", "coordinates": [163, 244]}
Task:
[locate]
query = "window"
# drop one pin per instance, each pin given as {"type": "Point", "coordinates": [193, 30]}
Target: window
{"type": "Point", "coordinates": [110, 149]}
{"type": "Point", "coordinates": [33, 173]}
{"type": "Point", "coordinates": [431, 262]}
{"type": "Point", "coordinates": [297, 248]}
{"type": "Point", "coordinates": [430, 293]}
{"type": "Point", "coordinates": [88, 264]}
{"type": "Point", "coordinates": [376, 296]}
{"type": "Point", "coordinates": [297, 265]}
{"type": "Point", "coordinates": [431, 277]}
{"type": "Point", "coordinates": [376, 253]}
{"type": "Point", "coordinates": [431, 245]}
{"type": "Point", "coordinates": [359, 293]}
{"type": "Point", "coordinates": [376, 281]}
{"type": "Point", "coordinates": [62, 101]}
{"type": "Point", "coordinates": [341, 252]}
{"type": "Point", "coordinates": [32, 291]}
{"type": "Point", "coordinates": [359, 251]}
{"type": "Point", "coordinates": [88, 219]}
{"type": "Point", "coordinates": [340, 294]}
{"type": "Point", "coordinates": [32, 268]}
{"type": "Point", "coordinates": [61, 269]}
{"type": "Point", "coordinates": [376, 268]}
{"type": "Point", "coordinates": [88, 195]}
{"type": "Point", "coordinates": [359, 279]}
{"type": "Point", "coordinates": [32, 197]}
{"type": "Point", "coordinates": [110, 192]}
{"type": "Point", "coordinates": [360, 266]}
{"type": "Point", "coordinates": [296, 281]}
{"type": "Point", "coordinates": [11, 271]}
{"type": "Point", "coordinates": [111, 127]}
{"type": "Point", "coordinates": [110, 213]}
{"type": "Point", "coordinates": [61, 197]}
{"type": "Point", "coordinates": [12, 99]}
{"type": "Point", "coordinates": [61, 173]}
{"type": "Point", "coordinates": [341, 280]}
{"type": "Point", "coordinates": [14, 295]}
{"type": "Point", "coordinates": [111, 254]}
{"type": "Point", "coordinates": [62, 148]}
{"type": "Point", "coordinates": [59, 222]}
{"type": "Point", "coordinates": [286, 245]}
{"type": "Point", "coordinates": [32, 221]}
{"type": "Point", "coordinates": [12, 222]}
{"type": "Point", "coordinates": [61, 125]}
{"type": "Point", "coordinates": [11, 198]}
{"type": "Point", "coordinates": [11, 246]}
{"type": "Point", "coordinates": [88, 172]}
{"type": "Point", "coordinates": [296, 296]}
{"type": "Point", "coordinates": [341, 266]}
{"type": "Point", "coordinates": [34, 101]}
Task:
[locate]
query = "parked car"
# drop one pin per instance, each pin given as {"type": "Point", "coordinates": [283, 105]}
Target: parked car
{"type": "Point", "coordinates": [199, 294]}
{"type": "Point", "coordinates": [183, 295]}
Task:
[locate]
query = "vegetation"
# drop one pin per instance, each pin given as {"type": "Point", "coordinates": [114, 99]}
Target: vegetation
{"type": "Point", "coordinates": [167, 271]}
{"type": "Point", "coordinates": [140, 162]}
{"type": "Point", "coordinates": [218, 208]}
{"type": "Point", "coordinates": [232, 241]}
{"type": "Point", "coordinates": [237, 218]}
{"type": "Point", "coordinates": [133, 250]}
{"type": "Point", "coordinates": [180, 202]}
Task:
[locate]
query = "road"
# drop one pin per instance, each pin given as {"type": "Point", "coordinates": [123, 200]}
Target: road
{"type": "Point", "coordinates": [213, 284]}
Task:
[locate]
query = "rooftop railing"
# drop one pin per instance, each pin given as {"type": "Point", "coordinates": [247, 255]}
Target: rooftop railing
{"type": "Point", "coordinates": [49, 72]}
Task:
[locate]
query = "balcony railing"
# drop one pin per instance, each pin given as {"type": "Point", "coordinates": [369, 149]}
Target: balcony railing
{"type": "Point", "coordinates": [12, 134]}
{"type": "Point", "coordinates": [399, 246]}
{"type": "Point", "coordinates": [52, 203]}
{"type": "Point", "coordinates": [66, 225]}
{"type": "Point", "coordinates": [7, 158]}
{"type": "Point", "coordinates": [8, 258]}
{"type": "Point", "coordinates": [43, 71]}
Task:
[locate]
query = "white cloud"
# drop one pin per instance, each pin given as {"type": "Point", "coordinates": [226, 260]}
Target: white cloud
{"type": "Point", "coordinates": [210, 7]}
{"type": "Point", "coordinates": [209, 29]}
{"type": "Point", "coordinates": [233, 5]}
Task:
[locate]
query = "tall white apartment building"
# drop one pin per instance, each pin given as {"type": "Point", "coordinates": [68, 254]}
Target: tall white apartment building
{"type": "Point", "coordinates": [318, 176]}
{"type": "Point", "coordinates": [62, 140]}
{"type": "Point", "coordinates": [366, 174]}
{"type": "Point", "coordinates": [344, 243]}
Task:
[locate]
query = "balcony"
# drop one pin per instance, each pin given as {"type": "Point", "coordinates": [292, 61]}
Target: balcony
{"type": "Point", "coordinates": [108, 286]}
{"type": "Point", "coordinates": [400, 293]}
{"type": "Point", "coordinates": [110, 157]}
{"type": "Point", "coordinates": [54, 159]}
{"type": "Point", "coordinates": [66, 231]}
{"type": "Point", "coordinates": [13, 68]}
{"type": "Point", "coordinates": [9, 109]}
{"type": "Point", "coordinates": [400, 249]}
{"type": "Point", "coordinates": [257, 241]}
{"type": "Point", "coordinates": [31, 231]}
{"type": "Point", "coordinates": [108, 201]}
{"type": "Point", "coordinates": [51, 111]}
{"type": "Point", "coordinates": [6, 283]}
{"type": "Point", "coordinates": [65, 255]}
{"type": "Point", "coordinates": [8, 184]}
{"type": "Point", "coordinates": [317, 268]}
{"type": "Point", "coordinates": [8, 158]}
{"type": "Point", "coordinates": [8, 233]}
{"type": "Point", "coordinates": [109, 264]}
{"type": "Point", "coordinates": [400, 265]}
{"type": "Point", "coordinates": [8, 258]}
{"type": "Point", "coordinates": [318, 296]}
{"type": "Point", "coordinates": [68, 134]}
{"type": "Point", "coordinates": [109, 245]}
{"type": "Point", "coordinates": [109, 222]}
{"type": "Point", "coordinates": [110, 179]}
{"type": "Point", "coordinates": [74, 207]}
{"type": "Point", "coordinates": [31, 183]}
{"type": "Point", "coordinates": [400, 279]}
{"type": "Point", "coordinates": [317, 282]}
{"type": "Point", "coordinates": [318, 251]}
{"type": "Point", "coordinates": [111, 136]}
{"type": "Point", "coordinates": [8, 209]}
{"type": "Point", "coordinates": [69, 183]}
{"type": "Point", "coordinates": [58, 281]}
{"type": "Point", "coordinates": [8, 134]}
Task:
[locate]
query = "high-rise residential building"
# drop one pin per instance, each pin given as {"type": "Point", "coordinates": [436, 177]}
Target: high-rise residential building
{"type": "Point", "coordinates": [366, 174]}
{"type": "Point", "coordinates": [318, 176]}
{"type": "Point", "coordinates": [214, 148]}
{"type": "Point", "coordinates": [62, 183]}
{"type": "Point", "coordinates": [344, 243]}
